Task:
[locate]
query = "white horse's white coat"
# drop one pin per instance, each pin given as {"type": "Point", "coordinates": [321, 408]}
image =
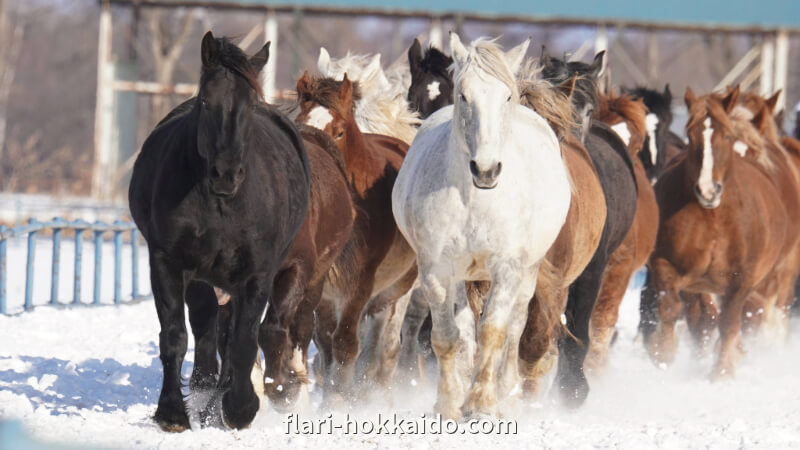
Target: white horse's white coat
{"type": "Point", "coordinates": [650, 124]}
{"type": "Point", "coordinates": [706, 183]}
{"type": "Point", "coordinates": [460, 232]}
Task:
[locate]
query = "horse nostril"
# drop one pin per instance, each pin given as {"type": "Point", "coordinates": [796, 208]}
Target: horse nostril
{"type": "Point", "coordinates": [240, 173]}
{"type": "Point", "coordinates": [215, 172]}
{"type": "Point", "coordinates": [717, 188]}
{"type": "Point", "coordinates": [473, 167]}
{"type": "Point", "coordinates": [498, 168]}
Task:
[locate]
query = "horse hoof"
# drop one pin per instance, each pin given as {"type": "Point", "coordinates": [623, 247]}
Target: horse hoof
{"type": "Point", "coordinates": [448, 412]}
{"type": "Point", "coordinates": [238, 417]}
{"type": "Point", "coordinates": [573, 395]}
{"type": "Point", "coordinates": [172, 420]}
{"type": "Point", "coordinates": [721, 374]}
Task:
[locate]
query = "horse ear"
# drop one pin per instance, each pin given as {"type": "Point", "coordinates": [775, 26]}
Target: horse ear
{"type": "Point", "coordinates": [324, 61]}
{"type": "Point", "coordinates": [729, 102]}
{"type": "Point", "coordinates": [598, 66]}
{"type": "Point", "coordinates": [459, 51]}
{"type": "Point", "coordinates": [689, 98]}
{"type": "Point", "coordinates": [346, 91]}
{"type": "Point", "coordinates": [373, 68]}
{"type": "Point", "coordinates": [760, 119]}
{"type": "Point", "coordinates": [773, 101]}
{"type": "Point", "coordinates": [568, 86]}
{"type": "Point", "coordinates": [544, 58]}
{"type": "Point", "coordinates": [259, 60]}
{"type": "Point", "coordinates": [667, 93]}
{"type": "Point", "coordinates": [303, 83]}
{"type": "Point", "coordinates": [516, 55]}
{"type": "Point", "coordinates": [415, 55]}
{"type": "Point", "coordinates": [209, 50]}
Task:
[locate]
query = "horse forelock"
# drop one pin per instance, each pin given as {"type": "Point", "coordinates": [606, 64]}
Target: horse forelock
{"type": "Point", "coordinates": [623, 106]}
{"type": "Point", "coordinates": [436, 62]}
{"type": "Point", "coordinates": [656, 102]}
{"type": "Point", "coordinates": [232, 58]}
{"type": "Point", "coordinates": [487, 56]}
{"type": "Point", "coordinates": [325, 92]}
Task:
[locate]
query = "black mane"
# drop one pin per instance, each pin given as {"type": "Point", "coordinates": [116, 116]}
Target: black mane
{"type": "Point", "coordinates": [234, 59]}
{"type": "Point", "coordinates": [436, 62]}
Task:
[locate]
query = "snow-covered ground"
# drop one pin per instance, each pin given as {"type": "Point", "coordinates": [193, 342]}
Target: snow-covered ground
{"type": "Point", "coordinates": [91, 376]}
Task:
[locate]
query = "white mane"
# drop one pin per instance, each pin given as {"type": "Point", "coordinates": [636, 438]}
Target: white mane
{"type": "Point", "coordinates": [383, 108]}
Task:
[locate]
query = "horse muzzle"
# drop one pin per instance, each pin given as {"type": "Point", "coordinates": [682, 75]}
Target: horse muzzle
{"type": "Point", "coordinates": [225, 184]}
{"type": "Point", "coordinates": [485, 179]}
{"type": "Point", "coordinates": [709, 201]}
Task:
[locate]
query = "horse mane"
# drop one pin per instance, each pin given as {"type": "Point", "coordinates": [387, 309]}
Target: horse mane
{"type": "Point", "coordinates": [325, 91]}
{"type": "Point", "coordinates": [631, 111]}
{"type": "Point", "coordinates": [487, 55]}
{"type": "Point", "coordinates": [234, 59]}
{"type": "Point", "coordinates": [550, 103]}
{"type": "Point", "coordinates": [559, 71]}
{"type": "Point", "coordinates": [382, 107]}
{"type": "Point", "coordinates": [656, 102]}
{"type": "Point", "coordinates": [754, 102]}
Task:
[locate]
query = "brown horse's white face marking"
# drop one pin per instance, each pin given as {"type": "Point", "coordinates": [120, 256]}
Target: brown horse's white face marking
{"type": "Point", "coordinates": [319, 117]}
{"type": "Point", "coordinates": [623, 132]}
{"type": "Point", "coordinates": [706, 182]}
{"type": "Point", "coordinates": [433, 90]}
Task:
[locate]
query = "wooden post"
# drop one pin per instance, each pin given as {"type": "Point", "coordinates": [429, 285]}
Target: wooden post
{"type": "Point", "coordinates": [781, 67]}
{"type": "Point", "coordinates": [103, 115]}
{"type": "Point", "coordinates": [767, 64]}
{"type": "Point", "coordinates": [436, 33]}
{"type": "Point", "coordinates": [652, 58]}
{"type": "Point", "coordinates": [270, 35]}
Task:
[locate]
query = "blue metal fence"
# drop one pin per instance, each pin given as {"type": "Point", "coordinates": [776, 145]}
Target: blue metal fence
{"type": "Point", "coordinates": [57, 225]}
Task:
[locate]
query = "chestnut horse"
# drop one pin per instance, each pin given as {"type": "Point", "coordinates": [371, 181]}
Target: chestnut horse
{"type": "Point", "coordinates": [383, 263]}
{"type": "Point", "coordinates": [628, 117]}
{"type": "Point", "coordinates": [722, 228]}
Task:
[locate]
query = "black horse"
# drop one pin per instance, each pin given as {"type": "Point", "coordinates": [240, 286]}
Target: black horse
{"type": "Point", "coordinates": [219, 191]}
{"type": "Point", "coordinates": [431, 83]}
{"type": "Point", "coordinates": [615, 170]}
{"type": "Point", "coordinates": [668, 144]}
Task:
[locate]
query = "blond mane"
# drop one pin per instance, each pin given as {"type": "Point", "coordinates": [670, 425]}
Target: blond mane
{"type": "Point", "coordinates": [547, 101]}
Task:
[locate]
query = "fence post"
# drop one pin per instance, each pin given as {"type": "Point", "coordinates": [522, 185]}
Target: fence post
{"type": "Point", "coordinates": [117, 262]}
{"type": "Point", "coordinates": [76, 287]}
{"type": "Point", "coordinates": [98, 261]}
{"type": "Point", "coordinates": [56, 262]}
{"type": "Point", "coordinates": [3, 309]}
{"type": "Point", "coordinates": [135, 263]}
{"type": "Point", "coordinates": [29, 267]}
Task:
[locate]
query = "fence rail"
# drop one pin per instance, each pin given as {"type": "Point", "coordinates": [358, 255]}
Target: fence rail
{"type": "Point", "coordinates": [57, 225]}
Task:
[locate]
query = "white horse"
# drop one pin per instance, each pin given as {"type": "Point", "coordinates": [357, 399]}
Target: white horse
{"type": "Point", "coordinates": [482, 195]}
{"type": "Point", "coordinates": [383, 107]}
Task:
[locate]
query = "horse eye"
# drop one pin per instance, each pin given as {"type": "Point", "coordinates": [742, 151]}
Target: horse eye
{"type": "Point", "coordinates": [203, 103]}
{"type": "Point", "coordinates": [463, 98]}
{"type": "Point", "coordinates": [508, 99]}
{"type": "Point", "coordinates": [339, 136]}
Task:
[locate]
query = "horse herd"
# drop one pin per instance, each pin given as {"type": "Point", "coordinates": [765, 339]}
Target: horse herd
{"type": "Point", "coordinates": [514, 220]}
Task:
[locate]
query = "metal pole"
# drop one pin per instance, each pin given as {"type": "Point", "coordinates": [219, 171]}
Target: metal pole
{"type": "Point", "coordinates": [117, 264]}
{"type": "Point", "coordinates": [54, 279]}
{"type": "Point", "coordinates": [270, 35]}
{"type": "Point", "coordinates": [98, 261]}
{"type": "Point", "coordinates": [3, 281]}
{"type": "Point", "coordinates": [103, 115]}
{"type": "Point", "coordinates": [29, 268]}
{"type": "Point", "coordinates": [135, 263]}
{"type": "Point", "coordinates": [76, 287]}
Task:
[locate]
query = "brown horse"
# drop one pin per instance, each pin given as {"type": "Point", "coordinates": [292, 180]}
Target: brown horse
{"type": "Point", "coordinates": [722, 229]}
{"type": "Point", "coordinates": [383, 264]}
{"type": "Point", "coordinates": [576, 243]}
{"type": "Point", "coordinates": [318, 248]}
{"type": "Point", "coordinates": [626, 116]}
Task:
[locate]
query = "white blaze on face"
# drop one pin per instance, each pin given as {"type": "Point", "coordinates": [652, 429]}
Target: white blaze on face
{"type": "Point", "coordinates": [433, 90]}
{"type": "Point", "coordinates": [650, 124]}
{"type": "Point", "coordinates": [706, 182]}
{"type": "Point", "coordinates": [740, 148]}
{"type": "Point", "coordinates": [319, 117]}
{"type": "Point", "coordinates": [623, 132]}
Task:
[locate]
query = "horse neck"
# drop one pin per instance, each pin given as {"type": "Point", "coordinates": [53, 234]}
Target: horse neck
{"type": "Point", "coordinates": [361, 161]}
{"type": "Point", "coordinates": [190, 154]}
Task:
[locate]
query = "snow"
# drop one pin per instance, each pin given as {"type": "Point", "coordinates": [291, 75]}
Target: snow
{"type": "Point", "coordinates": [91, 376]}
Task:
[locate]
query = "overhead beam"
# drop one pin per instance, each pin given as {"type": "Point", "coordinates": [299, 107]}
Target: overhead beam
{"type": "Point", "coordinates": [738, 68]}
{"type": "Point", "coordinates": [388, 12]}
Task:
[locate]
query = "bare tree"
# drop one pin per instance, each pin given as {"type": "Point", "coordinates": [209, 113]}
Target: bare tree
{"type": "Point", "coordinates": [10, 43]}
{"type": "Point", "coordinates": [167, 43]}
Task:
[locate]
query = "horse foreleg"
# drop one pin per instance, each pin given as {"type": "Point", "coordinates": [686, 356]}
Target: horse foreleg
{"type": "Point", "coordinates": [606, 311]}
{"type": "Point", "coordinates": [167, 284]}
{"type": "Point", "coordinates": [730, 325]}
{"type": "Point", "coordinates": [410, 362]}
{"type": "Point", "coordinates": [701, 318]}
{"type": "Point", "coordinates": [507, 296]}
{"type": "Point", "coordinates": [202, 304]}
{"type": "Point", "coordinates": [240, 403]}
{"type": "Point", "coordinates": [536, 350]}
{"type": "Point", "coordinates": [663, 344]}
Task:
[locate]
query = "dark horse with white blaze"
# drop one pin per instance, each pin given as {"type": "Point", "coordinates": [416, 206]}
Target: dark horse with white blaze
{"type": "Point", "coordinates": [219, 191]}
